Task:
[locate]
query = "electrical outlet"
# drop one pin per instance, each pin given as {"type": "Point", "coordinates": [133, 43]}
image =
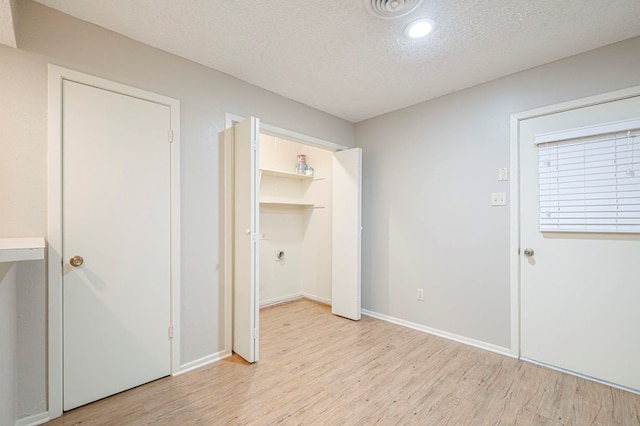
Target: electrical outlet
{"type": "Point", "coordinates": [420, 295]}
{"type": "Point", "coordinates": [499, 199]}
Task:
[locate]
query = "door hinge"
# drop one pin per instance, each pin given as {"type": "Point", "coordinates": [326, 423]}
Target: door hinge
{"type": "Point", "coordinates": [170, 332]}
{"type": "Point", "coordinates": [170, 136]}
{"type": "Point", "coordinates": [254, 333]}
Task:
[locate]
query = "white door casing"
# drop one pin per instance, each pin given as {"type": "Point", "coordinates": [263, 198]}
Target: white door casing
{"type": "Point", "coordinates": [576, 292]}
{"type": "Point", "coordinates": [246, 311]}
{"type": "Point", "coordinates": [346, 233]}
{"type": "Point", "coordinates": [108, 161]}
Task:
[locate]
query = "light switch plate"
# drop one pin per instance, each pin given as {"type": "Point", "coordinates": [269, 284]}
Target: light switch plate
{"type": "Point", "coordinates": [503, 174]}
{"type": "Point", "coordinates": [499, 199]}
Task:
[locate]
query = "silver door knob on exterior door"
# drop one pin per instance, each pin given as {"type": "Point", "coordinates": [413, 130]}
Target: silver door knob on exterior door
{"type": "Point", "coordinates": [528, 252]}
{"type": "Point", "coordinates": [76, 261]}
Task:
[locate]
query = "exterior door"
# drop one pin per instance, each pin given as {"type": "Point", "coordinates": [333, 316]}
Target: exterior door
{"type": "Point", "coordinates": [346, 234]}
{"type": "Point", "coordinates": [115, 242]}
{"type": "Point", "coordinates": [245, 237]}
{"type": "Point", "coordinates": [579, 291]}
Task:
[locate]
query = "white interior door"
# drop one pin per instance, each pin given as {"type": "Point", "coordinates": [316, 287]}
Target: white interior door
{"type": "Point", "coordinates": [579, 291]}
{"type": "Point", "coordinates": [245, 237]}
{"type": "Point", "coordinates": [116, 216]}
{"type": "Point", "coordinates": [346, 233]}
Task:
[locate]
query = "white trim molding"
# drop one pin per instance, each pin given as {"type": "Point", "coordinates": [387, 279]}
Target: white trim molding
{"type": "Point", "coordinates": [583, 376]}
{"type": "Point", "coordinates": [317, 299]}
{"type": "Point", "coordinates": [33, 420]}
{"type": "Point", "coordinates": [279, 132]}
{"type": "Point", "coordinates": [201, 362]}
{"type": "Point", "coordinates": [55, 361]}
{"type": "Point", "coordinates": [281, 300]}
{"type": "Point", "coordinates": [440, 333]}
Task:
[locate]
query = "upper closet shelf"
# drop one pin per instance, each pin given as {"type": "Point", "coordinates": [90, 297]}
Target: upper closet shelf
{"type": "Point", "coordinates": [273, 202]}
{"type": "Point", "coordinates": [17, 249]}
{"type": "Point", "coordinates": [284, 174]}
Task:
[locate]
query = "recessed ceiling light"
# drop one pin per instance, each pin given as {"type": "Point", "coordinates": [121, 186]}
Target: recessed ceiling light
{"type": "Point", "coordinates": [419, 28]}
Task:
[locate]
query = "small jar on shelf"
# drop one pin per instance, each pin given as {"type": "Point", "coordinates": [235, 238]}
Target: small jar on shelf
{"type": "Point", "coordinates": [302, 168]}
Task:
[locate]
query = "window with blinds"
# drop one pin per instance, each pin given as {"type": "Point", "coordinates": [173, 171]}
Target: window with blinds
{"type": "Point", "coordinates": [589, 179]}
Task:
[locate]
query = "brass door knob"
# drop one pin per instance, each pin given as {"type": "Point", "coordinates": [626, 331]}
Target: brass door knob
{"type": "Point", "coordinates": [76, 261]}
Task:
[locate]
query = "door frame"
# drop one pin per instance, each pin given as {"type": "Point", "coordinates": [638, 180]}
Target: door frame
{"type": "Point", "coordinates": [514, 188]}
{"type": "Point", "coordinates": [56, 76]}
{"type": "Point", "coordinates": [227, 198]}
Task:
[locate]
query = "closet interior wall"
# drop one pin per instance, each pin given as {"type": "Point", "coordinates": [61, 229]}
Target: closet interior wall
{"type": "Point", "coordinates": [295, 218]}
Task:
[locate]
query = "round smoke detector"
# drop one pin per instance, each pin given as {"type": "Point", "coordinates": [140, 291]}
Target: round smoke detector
{"type": "Point", "coordinates": [389, 9]}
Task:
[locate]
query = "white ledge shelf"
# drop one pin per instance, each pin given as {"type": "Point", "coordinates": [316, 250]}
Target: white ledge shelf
{"type": "Point", "coordinates": [285, 203]}
{"type": "Point", "coordinates": [18, 249]}
{"type": "Point", "coordinates": [278, 173]}
{"type": "Point", "coordinates": [276, 203]}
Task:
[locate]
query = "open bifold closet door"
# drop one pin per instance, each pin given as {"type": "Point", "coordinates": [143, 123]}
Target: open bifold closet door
{"type": "Point", "coordinates": [311, 221]}
{"type": "Point", "coordinates": [346, 233]}
{"type": "Point", "coordinates": [245, 239]}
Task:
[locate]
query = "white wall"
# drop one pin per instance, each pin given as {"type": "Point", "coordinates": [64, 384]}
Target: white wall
{"type": "Point", "coordinates": [303, 233]}
{"type": "Point", "coordinates": [429, 171]}
{"type": "Point", "coordinates": [31, 326]}
{"type": "Point", "coordinates": [46, 36]}
{"type": "Point", "coordinates": [316, 280]}
{"type": "Point", "coordinates": [8, 343]}
{"type": "Point", "coordinates": [283, 227]}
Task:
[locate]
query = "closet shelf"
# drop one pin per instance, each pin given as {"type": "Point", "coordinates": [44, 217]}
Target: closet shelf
{"type": "Point", "coordinates": [18, 249]}
{"type": "Point", "coordinates": [285, 203]}
{"type": "Point", "coordinates": [279, 173]}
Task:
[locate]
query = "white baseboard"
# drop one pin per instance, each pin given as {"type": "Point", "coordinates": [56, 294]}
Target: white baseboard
{"type": "Point", "coordinates": [201, 362]}
{"type": "Point", "coordinates": [317, 298]}
{"type": "Point", "coordinates": [280, 300]}
{"type": "Point", "coordinates": [292, 298]}
{"type": "Point", "coordinates": [460, 339]}
{"type": "Point", "coordinates": [33, 420]}
{"type": "Point", "coordinates": [583, 376]}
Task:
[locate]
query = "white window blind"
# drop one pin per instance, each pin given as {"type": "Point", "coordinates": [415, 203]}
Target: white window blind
{"type": "Point", "coordinates": [589, 179]}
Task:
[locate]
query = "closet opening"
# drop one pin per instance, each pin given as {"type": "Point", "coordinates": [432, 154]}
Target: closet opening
{"type": "Point", "coordinates": [295, 197]}
{"type": "Point", "coordinates": [292, 226]}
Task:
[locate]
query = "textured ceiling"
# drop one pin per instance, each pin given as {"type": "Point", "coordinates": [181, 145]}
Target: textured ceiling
{"type": "Point", "coordinates": [334, 56]}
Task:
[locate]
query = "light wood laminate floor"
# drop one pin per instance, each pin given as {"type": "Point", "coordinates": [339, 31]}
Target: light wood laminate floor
{"type": "Point", "coordinates": [316, 368]}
